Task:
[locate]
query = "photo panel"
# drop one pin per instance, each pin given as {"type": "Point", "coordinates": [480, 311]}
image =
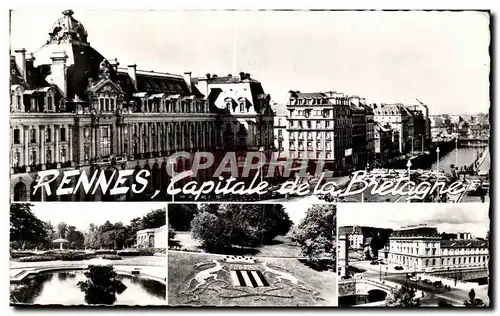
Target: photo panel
{"type": "Point", "coordinates": [91, 120]}
{"type": "Point", "coordinates": [240, 254]}
{"type": "Point", "coordinates": [432, 256]}
{"type": "Point", "coordinates": [109, 254]}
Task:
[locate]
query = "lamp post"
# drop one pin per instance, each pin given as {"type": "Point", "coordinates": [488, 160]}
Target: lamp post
{"type": "Point", "coordinates": [422, 141]}
{"type": "Point", "coordinates": [411, 145]}
{"type": "Point", "coordinates": [456, 152]}
{"type": "Point", "coordinates": [172, 161]}
{"type": "Point", "coordinates": [409, 166]}
{"type": "Point", "coordinates": [261, 149]}
{"type": "Point", "coordinates": [437, 152]}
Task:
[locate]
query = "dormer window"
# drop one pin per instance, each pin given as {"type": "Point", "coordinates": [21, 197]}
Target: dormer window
{"type": "Point", "coordinates": [242, 106]}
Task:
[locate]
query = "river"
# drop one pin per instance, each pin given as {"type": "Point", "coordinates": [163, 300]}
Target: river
{"type": "Point", "coordinates": [461, 156]}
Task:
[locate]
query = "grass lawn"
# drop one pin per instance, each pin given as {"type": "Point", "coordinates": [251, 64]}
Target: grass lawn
{"type": "Point", "coordinates": [281, 247]}
{"type": "Point", "coordinates": [313, 288]}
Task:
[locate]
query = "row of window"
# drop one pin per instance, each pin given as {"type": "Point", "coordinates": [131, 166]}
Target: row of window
{"type": "Point", "coordinates": [336, 101]}
{"type": "Point", "coordinates": [33, 137]}
{"type": "Point", "coordinates": [309, 145]}
{"type": "Point", "coordinates": [311, 155]}
{"type": "Point", "coordinates": [33, 155]}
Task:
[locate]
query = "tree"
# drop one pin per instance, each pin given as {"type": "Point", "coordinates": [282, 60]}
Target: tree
{"type": "Point", "coordinates": [91, 237]}
{"type": "Point", "coordinates": [316, 233]}
{"type": "Point", "coordinates": [25, 226]}
{"type": "Point", "coordinates": [181, 215]}
{"type": "Point", "coordinates": [248, 225]}
{"type": "Point", "coordinates": [75, 238]}
{"type": "Point", "coordinates": [405, 296]}
{"type": "Point", "coordinates": [171, 234]}
{"type": "Point", "coordinates": [62, 229]}
{"type": "Point", "coordinates": [154, 219]}
{"type": "Point", "coordinates": [473, 301]}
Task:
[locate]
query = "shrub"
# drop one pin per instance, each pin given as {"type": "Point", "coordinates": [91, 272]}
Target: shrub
{"type": "Point", "coordinates": [37, 259]}
{"type": "Point", "coordinates": [129, 252]}
{"type": "Point", "coordinates": [15, 255]}
{"type": "Point", "coordinates": [105, 252]}
{"type": "Point", "coordinates": [74, 256]}
{"type": "Point", "coordinates": [140, 252]}
{"type": "Point", "coordinates": [111, 257]}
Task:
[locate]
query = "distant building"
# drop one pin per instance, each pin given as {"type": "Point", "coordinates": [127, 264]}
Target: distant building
{"type": "Point", "coordinates": [342, 254]}
{"type": "Point", "coordinates": [359, 141]}
{"type": "Point", "coordinates": [384, 142]}
{"type": "Point", "coordinates": [354, 235]}
{"type": "Point", "coordinates": [421, 249]}
{"type": "Point", "coordinates": [400, 120]}
{"type": "Point", "coordinates": [152, 237]}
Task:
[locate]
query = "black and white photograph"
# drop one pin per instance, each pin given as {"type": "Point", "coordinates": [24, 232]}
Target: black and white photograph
{"type": "Point", "coordinates": [273, 255]}
{"type": "Point", "coordinates": [432, 256]}
{"type": "Point", "coordinates": [110, 254]}
{"type": "Point", "coordinates": [108, 98]}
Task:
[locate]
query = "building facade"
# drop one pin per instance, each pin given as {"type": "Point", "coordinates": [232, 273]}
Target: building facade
{"type": "Point", "coordinates": [398, 117]}
{"type": "Point", "coordinates": [281, 141]}
{"type": "Point", "coordinates": [152, 238]}
{"type": "Point", "coordinates": [342, 254]}
{"type": "Point", "coordinates": [422, 249]}
{"type": "Point", "coordinates": [354, 235]}
{"type": "Point", "coordinates": [359, 135]}
{"type": "Point", "coordinates": [73, 109]}
{"type": "Point", "coordinates": [320, 128]}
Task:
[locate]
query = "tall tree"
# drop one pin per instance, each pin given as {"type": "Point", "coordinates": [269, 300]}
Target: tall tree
{"type": "Point", "coordinates": [154, 219]}
{"type": "Point", "coordinates": [316, 233]}
{"type": "Point", "coordinates": [62, 229]}
{"type": "Point", "coordinates": [25, 226]}
{"type": "Point", "coordinates": [181, 215]}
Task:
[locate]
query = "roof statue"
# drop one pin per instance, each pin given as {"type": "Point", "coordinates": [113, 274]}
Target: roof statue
{"type": "Point", "coordinates": [104, 68]}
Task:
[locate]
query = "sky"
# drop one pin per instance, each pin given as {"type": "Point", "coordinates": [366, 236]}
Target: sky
{"type": "Point", "coordinates": [81, 215]}
{"type": "Point", "coordinates": [464, 217]}
{"type": "Point", "coordinates": [441, 58]}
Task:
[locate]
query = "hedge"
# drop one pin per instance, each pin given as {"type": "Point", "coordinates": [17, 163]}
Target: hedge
{"type": "Point", "coordinates": [111, 257]}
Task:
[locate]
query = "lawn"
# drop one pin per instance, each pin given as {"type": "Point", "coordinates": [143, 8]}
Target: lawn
{"type": "Point", "coordinates": [281, 247]}
{"type": "Point", "coordinates": [313, 288]}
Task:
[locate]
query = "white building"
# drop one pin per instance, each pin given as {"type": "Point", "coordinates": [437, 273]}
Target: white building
{"type": "Point", "coordinates": [342, 255]}
{"type": "Point", "coordinates": [420, 248]}
{"type": "Point", "coordinates": [354, 235]}
{"type": "Point", "coordinates": [152, 237]}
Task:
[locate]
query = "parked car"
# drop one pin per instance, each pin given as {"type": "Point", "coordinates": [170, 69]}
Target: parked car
{"type": "Point", "coordinates": [345, 277]}
{"type": "Point", "coordinates": [398, 268]}
{"type": "Point", "coordinates": [374, 263]}
{"type": "Point", "coordinates": [413, 279]}
{"type": "Point", "coordinates": [426, 281]}
{"type": "Point", "coordinates": [438, 284]}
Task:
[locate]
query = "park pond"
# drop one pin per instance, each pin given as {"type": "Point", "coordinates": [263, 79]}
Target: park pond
{"type": "Point", "coordinates": [64, 288]}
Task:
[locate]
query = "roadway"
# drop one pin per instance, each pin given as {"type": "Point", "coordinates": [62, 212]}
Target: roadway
{"type": "Point", "coordinates": [432, 295]}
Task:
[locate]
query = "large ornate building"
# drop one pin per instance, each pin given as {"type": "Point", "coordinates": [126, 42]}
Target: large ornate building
{"type": "Point", "coordinates": [422, 249]}
{"type": "Point", "coordinates": [71, 108]}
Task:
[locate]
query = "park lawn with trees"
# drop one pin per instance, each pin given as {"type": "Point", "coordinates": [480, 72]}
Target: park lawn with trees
{"type": "Point", "coordinates": [29, 235]}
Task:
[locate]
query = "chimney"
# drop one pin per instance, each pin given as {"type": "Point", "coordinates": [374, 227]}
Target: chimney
{"type": "Point", "coordinates": [187, 78]}
{"type": "Point", "coordinates": [21, 61]}
{"type": "Point", "coordinates": [242, 75]}
{"type": "Point", "coordinates": [58, 71]}
{"type": "Point", "coordinates": [208, 76]}
{"type": "Point", "coordinates": [132, 73]}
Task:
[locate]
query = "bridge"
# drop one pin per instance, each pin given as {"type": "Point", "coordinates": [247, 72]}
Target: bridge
{"type": "Point", "coordinates": [473, 142]}
{"type": "Point", "coordinates": [363, 287]}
